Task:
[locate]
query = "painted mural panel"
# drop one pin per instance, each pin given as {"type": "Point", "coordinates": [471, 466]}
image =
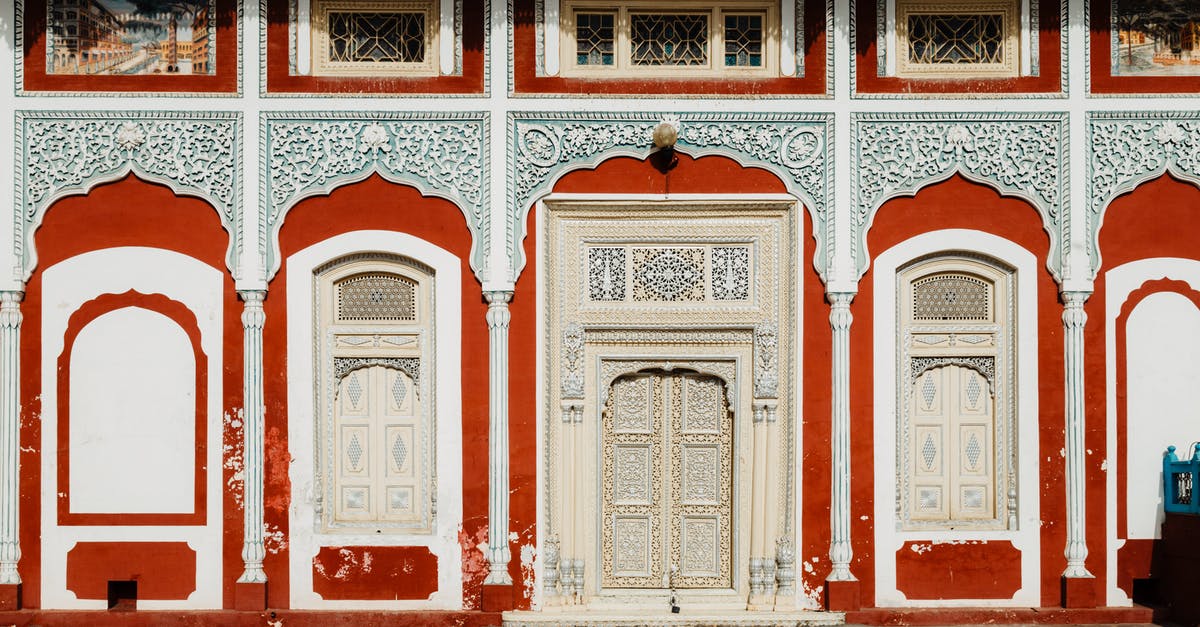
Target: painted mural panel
{"type": "Point", "coordinates": [131, 37]}
{"type": "Point", "coordinates": [1156, 37]}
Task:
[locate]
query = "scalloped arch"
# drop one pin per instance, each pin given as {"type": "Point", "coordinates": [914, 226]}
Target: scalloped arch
{"type": "Point", "coordinates": [312, 154]}
{"type": "Point", "coordinates": [545, 147]}
{"type": "Point", "coordinates": [69, 154]}
{"type": "Point", "coordinates": [1019, 155]}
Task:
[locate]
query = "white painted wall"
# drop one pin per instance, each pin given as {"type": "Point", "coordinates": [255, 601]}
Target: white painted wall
{"type": "Point", "coordinates": [888, 538]}
{"type": "Point", "coordinates": [305, 541]}
{"type": "Point", "coordinates": [66, 286]}
{"type": "Point", "coordinates": [1162, 367]}
{"type": "Point", "coordinates": [133, 423]}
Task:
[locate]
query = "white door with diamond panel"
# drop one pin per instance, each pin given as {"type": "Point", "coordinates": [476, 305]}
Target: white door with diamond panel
{"type": "Point", "coordinates": [376, 466]}
{"type": "Point", "coordinates": [667, 466]}
{"type": "Point", "coordinates": [953, 427]}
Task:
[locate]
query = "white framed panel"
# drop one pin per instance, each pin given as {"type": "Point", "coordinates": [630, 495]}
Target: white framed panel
{"type": "Point", "coordinates": [1026, 537]}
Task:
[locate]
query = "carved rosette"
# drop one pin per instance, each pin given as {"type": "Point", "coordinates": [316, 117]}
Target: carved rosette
{"type": "Point", "coordinates": [70, 153]}
{"type": "Point", "coordinates": [312, 154]}
{"type": "Point", "coordinates": [792, 146]}
{"type": "Point", "coordinates": [1023, 155]}
{"type": "Point", "coordinates": [1128, 149]}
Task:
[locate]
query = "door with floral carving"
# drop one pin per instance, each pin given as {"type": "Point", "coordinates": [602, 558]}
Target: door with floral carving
{"type": "Point", "coordinates": [666, 453]}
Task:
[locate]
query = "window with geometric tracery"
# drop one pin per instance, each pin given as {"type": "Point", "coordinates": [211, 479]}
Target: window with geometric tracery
{"type": "Point", "coordinates": [678, 39]}
{"type": "Point", "coordinates": [955, 437]}
{"type": "Point", "coordinates": [376, 451]}
{"type": "Point", "coordinates": [957, 39]}
{"type": "Point", "coordinates": [374, 37]}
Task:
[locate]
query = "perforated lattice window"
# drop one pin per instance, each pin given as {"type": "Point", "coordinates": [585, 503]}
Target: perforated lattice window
{"type": "Point", "coordinates": [956, 38]}
{"type": "Point", "coordinates": [376, 296]}
{"type": "Point", "coordinates": [951, 297]}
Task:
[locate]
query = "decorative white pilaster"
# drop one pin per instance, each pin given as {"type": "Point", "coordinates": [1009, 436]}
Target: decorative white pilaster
{"type": "Point", "coordinates": [10, 433]}
{"type": "Point", "coordinates": [1074, 319]}
{"type": "Point", "coordinates": [498, 318]}
{"type": "Point", "coordinates": [253, 409]}
{"type": "Point", "coordinates": [840, 551]}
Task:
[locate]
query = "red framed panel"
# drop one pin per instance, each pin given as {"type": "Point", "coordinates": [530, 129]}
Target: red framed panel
{"type": "Point", "coordinates": [1049, 79]}
{"type": "Point", "coordinates": [526, 80]}
{"type": "Point", "coordinates": [1142, 65]}
{"type": "Point", "coordinates": [163, 570]}
{"type": "Point", "coordinates": [181, 315]}
{"type": "Point", "coordinates": [280, 80]}
{"type": "Point", "coordinates": [37, 77]}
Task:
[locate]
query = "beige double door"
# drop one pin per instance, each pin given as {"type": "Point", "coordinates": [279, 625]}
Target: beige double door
{"type": "Point", "coordinates": [666, 457]}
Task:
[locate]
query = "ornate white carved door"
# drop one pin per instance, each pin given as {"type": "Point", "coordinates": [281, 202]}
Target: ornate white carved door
{"type": "Point", "coordinates": [667, 460]}
{"type": "Point", "coordinates": [953, 428]}
{"type": "Point", "coordinates": [376, 464]}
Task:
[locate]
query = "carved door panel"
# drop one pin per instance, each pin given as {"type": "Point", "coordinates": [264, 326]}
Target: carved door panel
{"type": "Point", "coordinates": [952, 445]}
{"type": "Point", "coordinates": [666, 450]}
{"type": "Point", "coordinates": [377, 465]}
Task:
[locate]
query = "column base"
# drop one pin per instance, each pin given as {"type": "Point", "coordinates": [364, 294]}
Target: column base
{"type": "Point", "coordinates": [10, 596]}
{"type": "Point", "coordinates": [498, 597]}
{"type": "Point", "coordinates": [1078, 592]}
{"type": "Point", "coordinates": [250, 597]}
{"type": "Point", "coordinates": [842, 596]}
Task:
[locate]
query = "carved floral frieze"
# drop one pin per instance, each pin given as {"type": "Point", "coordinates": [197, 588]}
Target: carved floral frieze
{"type": "Point", "coordinates": [312, 154]}
{"type": "Point", "coordinates": [795, 147]}
{"type": "Point", "coordinates": [194, 154]}
{"type": "Point", "coordinates": [1022, 155]}
{"type": "Point", "coordinates": [1128, 149]}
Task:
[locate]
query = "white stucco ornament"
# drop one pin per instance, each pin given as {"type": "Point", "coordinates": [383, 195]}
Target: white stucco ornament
{"type": "Point", "coordinates": [666, 132]}
{"type": "Point", "coordinates": [374, 137]}
{"type": "Point", "coordinates": [130, 136]}
{"type": "Point", "coordinates": [1169, 133]}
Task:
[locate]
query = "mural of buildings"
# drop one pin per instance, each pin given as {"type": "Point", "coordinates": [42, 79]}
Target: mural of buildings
{"type": "Point", "coordinates": [578, 313]}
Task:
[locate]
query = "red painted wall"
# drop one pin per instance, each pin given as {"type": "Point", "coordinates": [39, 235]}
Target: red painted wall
{"type": "Point", "coordinates": [279, 80]}
{"type": "Point", "coordinates": [1127, 235]}
{"type": "Point", "coordinates": [958, 203]}
{"type": "Point", "coordinates": [129, 212]}
{"type": "Point", "coordinates": [1049, 62]}
{"type": "Point", "coordinates": [525, 77]}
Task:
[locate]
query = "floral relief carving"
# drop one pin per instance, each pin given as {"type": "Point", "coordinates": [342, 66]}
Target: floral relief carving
{"type": "Point", "coordinates": [793, 146]}
{"type": "Point", "coordinates": [1018, 154]}
{"type": "Point", "coordinates": [312, 154]}
{"type": "Point", "coordinates": [193, 154]}
{"type": "Point", "coordinates": [1127, 149]}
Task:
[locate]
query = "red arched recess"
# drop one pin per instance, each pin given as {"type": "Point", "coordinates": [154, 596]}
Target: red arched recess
{"type": "Point", "coordinates": [129, 212]}
{"type": "Point", "coordinates": [377, 204]}
{"type": "Point", "coordinates": [1134, 558]}
{"type": "Point", "coordinates": [960, 204]}
{"type": "Point", "coordinates": [180, 315]}
{"type": "Point", "coordinates": [1145, 223]}
{"type": "Point", "coordinates": [721, 175]}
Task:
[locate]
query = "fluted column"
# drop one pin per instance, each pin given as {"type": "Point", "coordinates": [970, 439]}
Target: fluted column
{"type": "Point", "coordinates": [498, 318]}
{"type": "Point", "coordinates": [1074, 319]}
{"type": "Point", "coordinates": [840, 551]}
{"type": "Point", "coordinates": [10, 433]}
{"type": "Point", "coordinates": [253, 409]}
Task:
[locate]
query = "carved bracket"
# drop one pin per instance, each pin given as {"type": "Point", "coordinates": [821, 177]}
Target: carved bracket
{"type": "Point", "coordinates": [66, 154]}
{"type": "Point", "coordinates": [1022, 155]}
{"type": "Point", "coordinates": [1128, 149]}
{"type": "Point", "coordinates": [311, 154]}
{"type": "Point", "coordinates": [545, 146]}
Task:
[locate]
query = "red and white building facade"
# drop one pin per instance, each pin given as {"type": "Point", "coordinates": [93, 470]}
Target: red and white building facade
{"type": "Point", "coordinates": [566, 312]}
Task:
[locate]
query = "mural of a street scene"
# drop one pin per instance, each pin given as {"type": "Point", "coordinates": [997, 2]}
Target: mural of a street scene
{"type": "Point", "coordinates": [116, 37]}
{"type": "Point", "coordinates": [1156, 37]}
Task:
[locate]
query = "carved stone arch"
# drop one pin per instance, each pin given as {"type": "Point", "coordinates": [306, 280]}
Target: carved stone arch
{"type": "Point", "coordinates": [1126, 150]}
{"type": "Point", "coordinates": [69, 154]}
{"type": "Point", "coordinates": [725, 371]}
{"type": "Point", "coordinates": [1018, 155]}
{"type": "Point", "coordinates": [312, 154]}
{"type": "Point", "coordinates": [544, 147]}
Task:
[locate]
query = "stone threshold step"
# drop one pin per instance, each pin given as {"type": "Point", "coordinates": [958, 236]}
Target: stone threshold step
{"type": "Point", "coordinates": [663, 619]}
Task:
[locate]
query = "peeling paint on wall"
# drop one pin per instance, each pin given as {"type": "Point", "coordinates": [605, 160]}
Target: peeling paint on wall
{"type": "Point", "coordinates": [474, 564]}
{"type": "Point", "coordinates": [528, 578]}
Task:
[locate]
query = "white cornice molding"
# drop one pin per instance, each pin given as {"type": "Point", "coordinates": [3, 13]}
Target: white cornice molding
{"type": "Point", "coordinates": [1019, 154]}
{"type": "Point", "coordinates": [65, 154]}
